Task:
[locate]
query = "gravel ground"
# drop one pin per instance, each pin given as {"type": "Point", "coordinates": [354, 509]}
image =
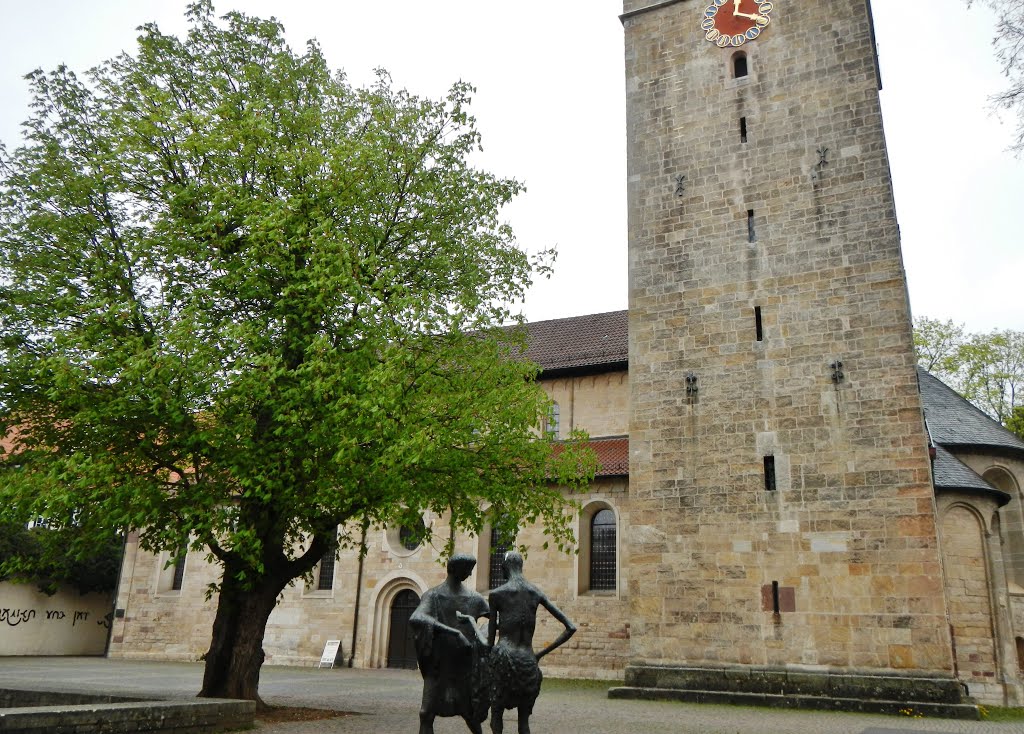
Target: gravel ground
{"type": "Point", "coordinates": [386, 702]}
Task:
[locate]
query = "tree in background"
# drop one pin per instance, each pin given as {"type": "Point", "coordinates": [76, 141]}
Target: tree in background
{"type": "Point", "coordinates": [246, 308]}
{"type": "Point", "coordinates": [59, 557]}
{"type": "Point", "coordinates": [1016, 421]}
{"type": "Point", "coordinates": [1009, 45]}
{"type": "Point", "coordinates": [987, 369]}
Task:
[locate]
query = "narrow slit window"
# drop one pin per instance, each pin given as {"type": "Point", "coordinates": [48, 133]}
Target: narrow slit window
{"type": "Point", "coordinates": [743, 129]}
{"type": "Point", "coordinates": [739, 65]}
{"type": "Point", "coordinates": [751, 234]}
{"type": "Point", "coordinates": [775, 597]}
{"type": "Point", "coordinates": [769, 474]}
{"type": "Point", "coordinates": [758, 325]}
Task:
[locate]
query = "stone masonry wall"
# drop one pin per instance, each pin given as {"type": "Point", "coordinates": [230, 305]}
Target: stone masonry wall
{"type": "Point", "coordinates": [598, 403]}
{"type": "Point", "coordinates": [158, 623]}
{"type": "Point", "coordinates": [845, 544]}
{"type": "Point", "coordinates": [969, 592]}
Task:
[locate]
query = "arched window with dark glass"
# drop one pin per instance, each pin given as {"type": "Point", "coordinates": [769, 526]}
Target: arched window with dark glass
{"type": "Point", "coordinates": [500, 545]}
{"type": "Point", "coordinates": [739, 65]}
{"type": "Point", "coordinates": [179, 570]}
{"type": "Point", "coordinates": [602, 551]}
{"type": "Point", "coordinates": [325, 575]}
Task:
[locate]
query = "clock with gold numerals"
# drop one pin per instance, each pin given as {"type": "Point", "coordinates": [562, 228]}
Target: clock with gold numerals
{"type": "Point", "coordinates": [731, 23]}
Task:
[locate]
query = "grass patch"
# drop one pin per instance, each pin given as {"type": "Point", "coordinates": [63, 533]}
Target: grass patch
{"type": "Point", "coordinates": [578, 684]}
{"type": "Point", "coordinates": [1002, 713]}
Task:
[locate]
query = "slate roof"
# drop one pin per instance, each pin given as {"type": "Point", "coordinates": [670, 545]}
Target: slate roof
{"type": "Point", "coordinates": [955, 423]}
{"type": "Point", "coordinates": [580, 344]}
{"type": "Point", "coordinates": [951, 473]}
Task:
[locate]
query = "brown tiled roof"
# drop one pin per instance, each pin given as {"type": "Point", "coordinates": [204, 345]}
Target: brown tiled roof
{"type": "Point", "coordinates": [592, 343]}
{"type": "Point", "coordinates": [612, 456]}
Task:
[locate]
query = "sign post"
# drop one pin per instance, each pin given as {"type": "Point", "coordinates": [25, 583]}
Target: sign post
{"type": "Point", "coordinates": [330, 653]}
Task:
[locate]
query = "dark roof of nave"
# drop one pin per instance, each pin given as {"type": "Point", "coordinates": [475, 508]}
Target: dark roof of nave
{"type": "Point", "coordinates": [954, 422]}
{"type": "Point", "coordinates": [580, 344]}
{"type": "Point", "coordinates": [951, 473]}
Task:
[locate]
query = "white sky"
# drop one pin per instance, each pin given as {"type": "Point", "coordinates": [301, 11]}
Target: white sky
{"type": "Point", "coordinates": [550, 106]}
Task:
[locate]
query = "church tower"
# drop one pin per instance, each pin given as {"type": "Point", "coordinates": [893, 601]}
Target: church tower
{"type": "Point", "coordinates": [782, 522]}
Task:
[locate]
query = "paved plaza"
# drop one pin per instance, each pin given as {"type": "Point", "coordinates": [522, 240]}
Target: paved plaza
{"type": "Point", "coordinates": [386, 702]}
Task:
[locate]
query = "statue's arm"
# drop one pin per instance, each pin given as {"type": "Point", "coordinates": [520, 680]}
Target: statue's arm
{"type": "Point", "coordinates": [422, 619]}
{"type": "Point", "coordinates": [569, 631]}
{"type": "Point", "coordinates": [492, 627]}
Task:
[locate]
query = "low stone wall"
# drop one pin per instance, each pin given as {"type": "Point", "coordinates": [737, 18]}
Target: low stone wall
{"type": "Point", "coordinates": [47, 712]}
{"type": "Point", "coordinates": [867, 692]}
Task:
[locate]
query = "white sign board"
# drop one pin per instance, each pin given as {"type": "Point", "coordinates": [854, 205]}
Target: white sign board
{"type": "Point", "coordinates": [330, 653]}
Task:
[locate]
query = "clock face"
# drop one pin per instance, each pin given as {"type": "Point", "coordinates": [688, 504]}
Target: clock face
{"type": "Point", "coordinates": [730, 23]}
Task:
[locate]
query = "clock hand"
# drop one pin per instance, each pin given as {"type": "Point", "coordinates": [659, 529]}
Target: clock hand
{"type": "Point", "coordinates": [736, 7]}
{"type": "Point", "coordinates": [752, 16]}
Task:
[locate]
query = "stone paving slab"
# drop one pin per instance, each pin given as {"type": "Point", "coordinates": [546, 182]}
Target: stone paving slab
{"type": "Point", "coordinates": [387, 701]}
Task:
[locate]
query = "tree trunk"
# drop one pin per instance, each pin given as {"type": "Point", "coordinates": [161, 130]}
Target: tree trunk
{"type": "Point", "coordinates": [236, 650]}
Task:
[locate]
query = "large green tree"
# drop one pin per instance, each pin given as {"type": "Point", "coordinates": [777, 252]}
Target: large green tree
{"type": "Point", "coordinates": [987, 369]}
{"type": "Point", "coordinates": [246, 307]}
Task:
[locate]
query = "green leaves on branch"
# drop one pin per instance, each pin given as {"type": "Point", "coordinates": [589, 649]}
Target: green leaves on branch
{"type": "Point", "coordinates": [52, 558]}
{"type": "Point", "coordinates": [987, 369]}
{"type": "Point", "coordinates": [243, 303]}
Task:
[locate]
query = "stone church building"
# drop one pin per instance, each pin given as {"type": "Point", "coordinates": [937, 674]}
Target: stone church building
{"type": "Point", "coordinates": [787, 510]}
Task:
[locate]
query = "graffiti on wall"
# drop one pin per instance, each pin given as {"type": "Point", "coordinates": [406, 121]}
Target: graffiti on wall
{"type": "Point", "coordinates": [16, 617]}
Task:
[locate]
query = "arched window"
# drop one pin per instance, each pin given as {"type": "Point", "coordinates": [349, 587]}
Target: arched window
{"type": "Point", "coordinates": [325, 574]}
{"type": "Point", "coordinates": [1012, 526]}
{"type": "Point", "coordinates": [739, 65]}
{"type": "Point", "coordinates": [179, 570]}
{"type": "Point", "coordinates": [554, 420]}
{"type": "Point", "coordinates": [411, 536]}
{"type": "Point", "coordinates": [500, 545]}
{"type": "Point", "coordinates": [172, 573]}
{"type": "Point", "coordinates": [603, 538]}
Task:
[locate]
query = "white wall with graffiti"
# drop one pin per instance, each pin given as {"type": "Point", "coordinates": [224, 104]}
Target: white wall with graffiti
{"type": "Point", "coordinates": [67, 623]}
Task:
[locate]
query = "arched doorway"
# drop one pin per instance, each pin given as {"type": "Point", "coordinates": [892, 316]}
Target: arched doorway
{"type": "Point", "coordinates": [401, 647]}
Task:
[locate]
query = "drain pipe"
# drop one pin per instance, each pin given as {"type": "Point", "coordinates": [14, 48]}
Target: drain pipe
{"type": "Point", "coordinates": [359, 593]}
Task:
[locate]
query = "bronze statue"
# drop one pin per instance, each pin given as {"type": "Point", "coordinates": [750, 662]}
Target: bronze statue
{"type": "Point", "coordinates": [450, 650]}
{"type": "Point", "coordinates": [514, 672]}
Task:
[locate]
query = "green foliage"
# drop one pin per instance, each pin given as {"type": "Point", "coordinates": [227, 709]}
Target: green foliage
{"type": "Point", "coordinates": [243, 303]}
{"type": "Point", "coordinates": [58, 557]}
{"type": "Point", "coordinates": [987, 369]}
{"type": "Point", "coordinates": [1015, 422]}
{"type": "Point", "coordinates": [1002, 713]}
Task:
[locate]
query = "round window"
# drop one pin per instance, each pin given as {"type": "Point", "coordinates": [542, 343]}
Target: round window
{"type": "Point", "coordinates": [411, 536]}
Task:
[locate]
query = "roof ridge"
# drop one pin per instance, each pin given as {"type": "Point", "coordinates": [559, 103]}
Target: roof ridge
{"type": "Point", "coordinates": [1003, 437]}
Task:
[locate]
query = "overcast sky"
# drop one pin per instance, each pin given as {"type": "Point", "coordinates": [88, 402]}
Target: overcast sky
{"type": "Point", "coordinates": [550, 106]}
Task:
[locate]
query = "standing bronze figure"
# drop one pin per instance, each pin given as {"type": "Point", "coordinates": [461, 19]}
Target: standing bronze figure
{"type": "Point", "coordinates": [450, 650]}
{"type": "Point", "coordinates": [515, 674]}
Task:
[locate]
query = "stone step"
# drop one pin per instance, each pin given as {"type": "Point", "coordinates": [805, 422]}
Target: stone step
{"type": "Point", "coordinates": [839, 684]}
{"type": "Point", "coordinates": [926, 709]}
